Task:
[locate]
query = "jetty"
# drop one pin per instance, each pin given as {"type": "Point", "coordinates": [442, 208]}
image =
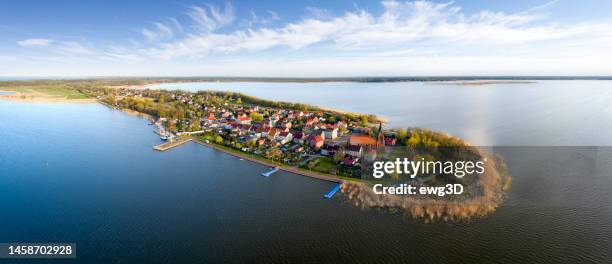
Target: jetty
{"type": "Point", "coordinates": [266, 174]}
{"type": "Point", "coordinates": [333, 191]}
{"type": "Point", "coordinates": [171, 144]}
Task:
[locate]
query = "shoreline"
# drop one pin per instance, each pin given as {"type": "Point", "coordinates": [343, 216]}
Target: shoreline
{"type": "Point", "coordinates": [289, 169]}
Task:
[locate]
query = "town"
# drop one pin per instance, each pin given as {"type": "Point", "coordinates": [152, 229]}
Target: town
{"type": "Point", "coordinates": [299, 135]}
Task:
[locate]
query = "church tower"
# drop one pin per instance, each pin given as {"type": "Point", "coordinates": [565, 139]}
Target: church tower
{"type": "Point", "coordinates": [380, 142]}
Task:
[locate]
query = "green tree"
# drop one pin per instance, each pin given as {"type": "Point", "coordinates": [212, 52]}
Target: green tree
{"type": "Point", "coordinates": [339, 155]}
{"type": "Point", "coordinates": [219, 140]}
{"type": "Point", "coordinates": [401, 134]}
{"type": "Point", "coordinates": [364, 120]}
{"type": "Point", "coordinates": [256, 117]}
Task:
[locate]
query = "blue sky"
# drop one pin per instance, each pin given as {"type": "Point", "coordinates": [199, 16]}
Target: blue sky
{"type": "Point", "coordinates": [305, 38]}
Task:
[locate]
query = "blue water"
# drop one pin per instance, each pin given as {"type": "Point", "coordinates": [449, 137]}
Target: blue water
{"type": "Point", "coordinates": [545, 113]}
{"type": "Point", "coordinates": [87, 174]}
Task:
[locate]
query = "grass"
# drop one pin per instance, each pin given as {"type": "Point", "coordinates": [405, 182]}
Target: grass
{"type": "Point", "coordinates": [325, 165]}
{"type": "Point", "coordinates": [46, 90]}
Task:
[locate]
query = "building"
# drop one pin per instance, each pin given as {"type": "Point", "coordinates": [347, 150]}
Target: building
{"type": "Point", "coordinates": [368, 141]}
{"type": "Point", "coordinates": [312, 121]}
{"type": "Point", "coordinates": [380, 142]}
{"type": "Point", "coordinates": [316, 142]}
{"type": "Point", "coordinates": [354, 150]}
{"type": "Point", "coordinates": [331, 133]}
{"type": "Point", "coordinates": [390, 141]}
{"type": "Point", "coordinates": [298, 138]}
{"type": "Point", "coordinates": [349, 161]}
{"type": "Point", "coordinates": [284, 137]}
{"type": "Point", "coordinates": [362, 140]}
{"type": "Point", "coordinates": [329, 150]}
{"type": "Point", "coordinates": [244, 120]}
{"type": "Point", "coordinates": [272, 133]}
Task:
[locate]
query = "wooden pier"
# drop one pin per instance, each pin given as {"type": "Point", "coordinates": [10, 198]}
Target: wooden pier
{"type": "Point", "coordinates": [169, 145]}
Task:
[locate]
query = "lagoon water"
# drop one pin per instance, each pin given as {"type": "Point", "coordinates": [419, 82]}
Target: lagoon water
{"type": "Point", "coordinates": [544, 113]}
{"type": "Point", "coordinates": [85, 173]}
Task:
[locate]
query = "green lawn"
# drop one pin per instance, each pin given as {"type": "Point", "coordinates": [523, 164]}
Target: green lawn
{"type": "Point", "coordinates": [53, 91]}
{"type": "Point", "coordinates": [325, 165]}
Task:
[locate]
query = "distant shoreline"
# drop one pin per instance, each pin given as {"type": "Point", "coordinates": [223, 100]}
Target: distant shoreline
{"type": "Point", "coordinates": [366, 79]}
{"type": "Point", "coordinates": [481, 82]}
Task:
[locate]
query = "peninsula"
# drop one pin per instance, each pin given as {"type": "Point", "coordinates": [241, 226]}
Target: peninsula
{"type": "Point", "coordinates": [298, 138]}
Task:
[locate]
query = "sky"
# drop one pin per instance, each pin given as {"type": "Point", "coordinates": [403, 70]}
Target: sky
{"type": "Point", "coordinates": [326, 38]}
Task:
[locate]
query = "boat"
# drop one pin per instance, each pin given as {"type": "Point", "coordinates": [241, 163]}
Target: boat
{"type": "Point", "coordinates": [164, 138]}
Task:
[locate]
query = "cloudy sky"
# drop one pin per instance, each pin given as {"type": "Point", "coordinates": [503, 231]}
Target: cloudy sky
{"type": "Point", "coordinates": [306, 38]}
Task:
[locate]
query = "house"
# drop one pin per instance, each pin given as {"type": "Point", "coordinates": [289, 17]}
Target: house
{"type": "Point", "coordinates": [298, 138]}
{"type": "Point", "coordinates": [390, 141]}
{"type": "Point", "coordinates": [317, 132]}
{"type": "Point", "coordinates": [244, 120]}
{"type": "Point", "coordinates": [349, 161]}
{"type": "Point", "coordinates": [272, 133]}
{"type": "Point", "coordinates": [316, 142]}
{"type": "Point", "coordinates": [329, 150]}
{"type": "Point", "coordinates": [226, 115]}
{"type": "Point", "coordinates": [284, 137]}
{"type": "Point", "coordinates": [363, 140]}
{"type": "Point", "coordinates": [273, 119]}
{"type": "Point", "coordinates": [262, 131]}
{"type": "Point", "coordinates": [354, 150]}
{"type": "Point", "coordinates": [312, 121]}
{"type": "Point", "coordinates": [285, 126]}
{"type": "Point", "coordinates": [331, 133]}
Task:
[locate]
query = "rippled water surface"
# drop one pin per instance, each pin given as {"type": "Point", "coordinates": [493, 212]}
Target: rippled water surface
{"type": "Point", "coordinates": [87, 174]}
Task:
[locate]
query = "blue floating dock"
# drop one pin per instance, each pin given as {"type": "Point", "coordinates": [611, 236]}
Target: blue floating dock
{"type": "Point", "coordinates": [333, 191]}
{"type": "Point", "coordinates": [266, 174]}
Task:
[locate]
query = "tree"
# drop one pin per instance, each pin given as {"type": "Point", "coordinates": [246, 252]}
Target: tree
{"type": "Point", "coordinates": [219, 140]}
{"type": "Point", "coordinates": [195, 125]}
{"type": "Point", "coordinates": [414, 140]}
{"type": "Point", "coordinates": [364, 120]}
{"type": "Point", "coordinates": [339, 155]}
{"type": "Point", "coordinates": [401, 134]}
{"type": "Point", "coordinates": [239, 100]}
{"type": "Point", "coordinates": [256, 117]}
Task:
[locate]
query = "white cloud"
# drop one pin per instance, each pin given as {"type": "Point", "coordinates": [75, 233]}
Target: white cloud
{"type": "Point", "coordinates": [34, 42]}
{"type": "Point", "coordinates": [402, 25]}
{"type": "Point", "coordinates": [161, 31]}
{"type": "Point", "coordinates": [256, 20]}
{"type": "Point", "coordinates": [212, 18]}
{"type": "Point", "coordinates": [75, 48]}
{"type": "Point", "coordinates": [406, 38]}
